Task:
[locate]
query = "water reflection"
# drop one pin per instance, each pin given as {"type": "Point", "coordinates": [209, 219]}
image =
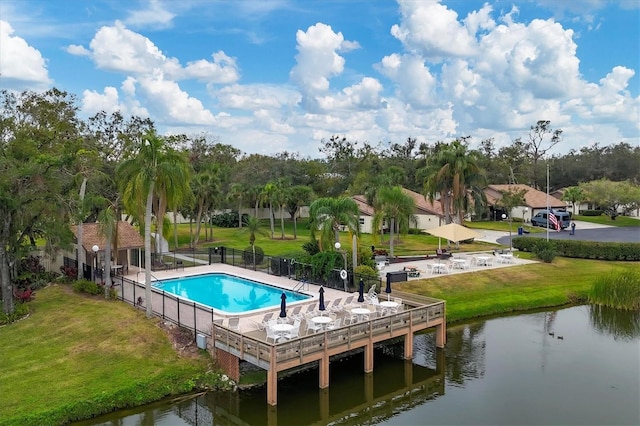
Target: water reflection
{"type": "Point", "coordinates": [514, 370]}
{"type": "Point", "coordinates": [615, 322]}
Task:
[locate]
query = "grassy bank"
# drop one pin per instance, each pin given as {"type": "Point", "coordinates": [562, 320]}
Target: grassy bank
{"type": "Point", "coordinates": [519, 288]}
{"type": "Point", "coordinates": [75, 356]}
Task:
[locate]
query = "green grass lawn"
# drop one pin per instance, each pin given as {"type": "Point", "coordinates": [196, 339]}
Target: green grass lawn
{"type": "Point", "coordinates": [411, 244]}
{"type": "Point", "coordinates": [606, 220]}
{"type": "Point", "coordinates": [76, 354]}
{"type": "Point", "coordinates": [518, 288]}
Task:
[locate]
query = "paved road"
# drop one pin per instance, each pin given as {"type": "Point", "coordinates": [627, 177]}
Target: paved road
{"type": "Point", "coordinates": [586, 231]}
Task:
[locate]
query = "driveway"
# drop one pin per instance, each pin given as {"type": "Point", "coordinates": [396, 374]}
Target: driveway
{"type": "Point", "coordinates": [586, 231]}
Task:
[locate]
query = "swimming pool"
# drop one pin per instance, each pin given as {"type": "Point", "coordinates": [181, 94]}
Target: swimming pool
{"type": "Point", "coordinates": [227, 292]}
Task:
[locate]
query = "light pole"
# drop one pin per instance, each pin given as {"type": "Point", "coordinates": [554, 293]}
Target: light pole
{"type": "Point", "coordinates": [95, 250]}
{"type": "Point", "coordinates": [504, 216]}
{"type": "Point", "coordinates": [343, 272]}
{"type": "Point", "coordinates": [524, 213]}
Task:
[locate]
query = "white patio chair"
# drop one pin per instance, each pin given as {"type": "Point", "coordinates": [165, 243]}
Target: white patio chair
{"type": "Point", "coordinates": [234, 323]}
{"type": "Point", "coordinates": [272, 334]}
{"type": "Point", "coordinates": [295, 331]}
{"type": "Point", "coordinates": [312, 326]}
{"type": "Point", "coordinates": [334, 324]}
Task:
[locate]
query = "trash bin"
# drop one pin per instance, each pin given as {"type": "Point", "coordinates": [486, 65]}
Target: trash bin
{"type": "Point", "coordinates": [520, 230]}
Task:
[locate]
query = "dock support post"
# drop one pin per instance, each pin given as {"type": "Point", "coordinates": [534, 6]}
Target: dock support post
{"type": "Point", "coordinates": [368, 358]}
{"type": "Point", "coordinates": [324, 371]}
{"type": "Point", "coordinates": [441, 334]}
{"type": "Point", "coordinates": [408, 345]}
{"type": "Point", "coordinates": [272, 379]}
{"type": "Point", "coordinates": [324, 405]}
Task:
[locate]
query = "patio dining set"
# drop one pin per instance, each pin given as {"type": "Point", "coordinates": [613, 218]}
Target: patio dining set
{"type": "Point", "coordinates": [337, 313]}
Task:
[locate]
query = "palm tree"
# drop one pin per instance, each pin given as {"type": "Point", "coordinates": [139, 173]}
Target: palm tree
{"type": "Point", "coordinates": [237, 192]}
{"type": "Point", "coordinates": [268, 195]}
{"type": "Point", "coordinates": [205, 185]}
{"type": "Point", "coordinates": [328, 214]}
{"type": "Point", "coordinates": [392, 203]}
{"type": "Point", "coordinates": [298, 196]}
{"type": "Point", "coordinates": [455, 176]}
{"type": "Point", "coordinates": [252, 227]}
{"type": "Point", "coordinates": [153, 164]}
{"type": "Point", "coordinates": [573, 194]}
{"type": "Point", "coordinates": [107, 224]}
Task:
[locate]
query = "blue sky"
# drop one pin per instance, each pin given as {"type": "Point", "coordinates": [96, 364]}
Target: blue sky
{"type": "Point", "coordinates": [274, 75]}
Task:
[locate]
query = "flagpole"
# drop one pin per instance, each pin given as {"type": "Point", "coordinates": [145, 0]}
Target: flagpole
{"type": "Point", "coordinates": [548, 209]}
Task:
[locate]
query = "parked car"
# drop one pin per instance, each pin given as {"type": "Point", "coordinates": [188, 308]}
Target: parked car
{"type": "Point", "coordinates": [541, 219]}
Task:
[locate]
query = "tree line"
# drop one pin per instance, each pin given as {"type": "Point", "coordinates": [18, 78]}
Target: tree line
{"type": "Point", "coordinates": [57, 169]}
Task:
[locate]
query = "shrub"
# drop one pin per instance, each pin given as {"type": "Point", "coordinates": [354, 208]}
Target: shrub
{"type": "Point", "coordinates": [545, 250]}
{"type": "Point", "coordinates": [619, 290]}
{"type": "Point", "coordinates": [312, 247]}
{"type": "Point", "coordinates": [86, 286]}
{"type": "Point", "coordinates": [591, 212]}
{"type": "Point", "coordinates": [585, 249]}
{"type": "Point", "coordinates": [248, 253]}
{"type": "Point", "coordinates": [21, 310]}
{"type": "Point", "coordinates": [226, 219]}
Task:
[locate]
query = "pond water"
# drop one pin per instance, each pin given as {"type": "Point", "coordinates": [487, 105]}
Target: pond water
{"type": "Point", "coordinates": [574, 366]}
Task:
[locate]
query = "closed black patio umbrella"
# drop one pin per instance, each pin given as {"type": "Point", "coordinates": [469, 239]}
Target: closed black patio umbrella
{"type": "Point", "coordinates": [283, 306]}
{"type": "Point", "coordinates": [361, 291]}
{"type": "Point", "coordinates": [321, 304]}
{"type": "Point", "coordinates": [388, 289]}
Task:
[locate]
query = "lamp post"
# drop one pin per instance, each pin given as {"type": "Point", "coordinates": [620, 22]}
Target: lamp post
{"type": "Point", "coordinates": [343, 275]}
{"type": "Point", "coordinates": [504, 216]}
{"type": "Point", "coordinates": [524, 213]}
{"type": "Point", "coordinates": [95, 250]}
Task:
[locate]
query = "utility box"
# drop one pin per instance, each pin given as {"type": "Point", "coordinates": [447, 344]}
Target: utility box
{"type": "Point", "coordinates": [201, 341]}
{"type": "Point", "coordinates": [396, 276]}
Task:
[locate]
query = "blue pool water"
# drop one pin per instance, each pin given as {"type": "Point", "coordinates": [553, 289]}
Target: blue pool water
{"type": "Point", "coordinates": [227, 292]}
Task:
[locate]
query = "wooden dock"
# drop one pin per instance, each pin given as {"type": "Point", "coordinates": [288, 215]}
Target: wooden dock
{"type": "Point", "coordinates": [420, 313]}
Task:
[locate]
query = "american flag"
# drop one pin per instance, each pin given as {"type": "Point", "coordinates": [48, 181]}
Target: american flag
{"type": "Point", "coordinates": [554, 221]}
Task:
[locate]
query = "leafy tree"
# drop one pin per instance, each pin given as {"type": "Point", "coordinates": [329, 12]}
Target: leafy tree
{"type": "Point", "coordinates": [38, 134]}
{"type": "Point", "coordinates": [511, 198]}
{"type": "Point", "coordinates": [611, 195]}
{"type": "Point", "coordinates": [154, 165]}
{"type": "Point", "coordinates": [535, 146]}
{"type": "Point", "coordinates": [328, 215]}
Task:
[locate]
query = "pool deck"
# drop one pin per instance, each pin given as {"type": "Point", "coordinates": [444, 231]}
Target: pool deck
{"type": "Point", "coordinates": [248, 320]}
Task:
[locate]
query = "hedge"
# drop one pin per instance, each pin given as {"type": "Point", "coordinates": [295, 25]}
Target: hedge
{"type": "Point", "coordinates": [585, 249]}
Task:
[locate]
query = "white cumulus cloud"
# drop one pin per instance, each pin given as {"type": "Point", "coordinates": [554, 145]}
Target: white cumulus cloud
{"type": "Point", "coordinates": [21, 65]}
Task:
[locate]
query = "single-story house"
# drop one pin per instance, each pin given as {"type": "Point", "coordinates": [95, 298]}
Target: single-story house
{"type": "Point", "coordinates": [427, 215]}
{"type": "Point", "coordinates": [534, 201]}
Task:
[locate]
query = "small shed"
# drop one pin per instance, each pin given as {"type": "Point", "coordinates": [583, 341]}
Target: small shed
{"type": "Point", "coordinates": [126, 239]}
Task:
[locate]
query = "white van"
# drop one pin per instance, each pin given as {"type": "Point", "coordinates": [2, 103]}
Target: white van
{"type": "Point", "coordinates": [540, 219]}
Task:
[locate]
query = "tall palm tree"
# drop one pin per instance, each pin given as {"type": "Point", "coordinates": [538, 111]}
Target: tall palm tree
{"type": "Point", "coordinates": [327, 215]}
{"type": "Point", "coordinates": [455, 176]}
{"type": "Point", "coordinates": [154, 163]}
{"type": "Point", "coordinates": [107, 224]}
{"type": "Point", "coordinates": [392, 203]}
{"type": "Point", "coordinates": [205, 185]}
{"type": "Point", "coordinates": [237, 192]}
{"type": "Point", "coordinates": [268, 195]}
